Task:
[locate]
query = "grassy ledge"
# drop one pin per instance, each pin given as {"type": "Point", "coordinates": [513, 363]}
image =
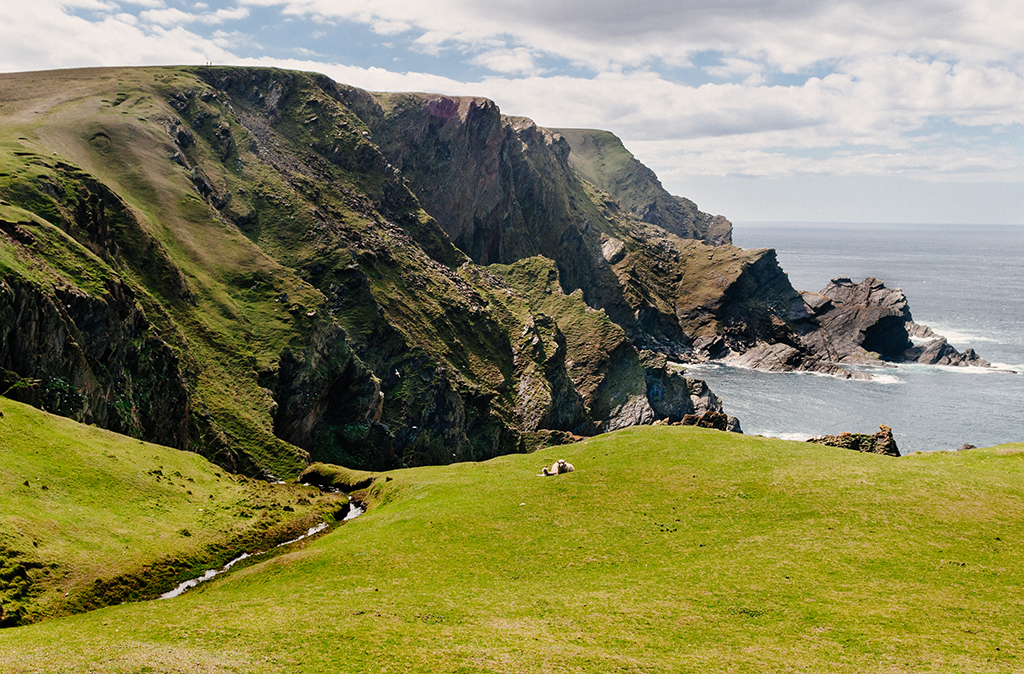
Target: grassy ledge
{"type": "Point", "coordinates": [670, 549]}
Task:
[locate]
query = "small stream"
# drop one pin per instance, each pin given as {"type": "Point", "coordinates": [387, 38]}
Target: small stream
{"type": "Point", "coordinates": [354, 511]}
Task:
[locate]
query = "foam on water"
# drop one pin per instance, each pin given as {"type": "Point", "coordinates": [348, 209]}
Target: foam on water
{"type": "Point", "coordinates": [797, 437]}
{"type": "Point", "coordinates": [961, 339]}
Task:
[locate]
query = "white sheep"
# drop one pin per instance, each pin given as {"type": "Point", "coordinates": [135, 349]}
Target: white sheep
{"type": "Point", "coordinates": [560, 466]}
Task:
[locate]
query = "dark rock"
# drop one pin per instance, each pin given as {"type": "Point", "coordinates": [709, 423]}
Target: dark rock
{"type": "Point", "coordinates": [857, 322]}
{"type": "Point", "coordinates": [939, 352]}
{"type": "Point", "coordinates": [95, 360]}
{"type": "Point", "coordinates": [881, 442]}
{"type": "Point", "coordinates": [866, 323]}
{"type": "Point", "coordinates": [716, 420]}
{"type": "Point", "coordinates": [965, 447]}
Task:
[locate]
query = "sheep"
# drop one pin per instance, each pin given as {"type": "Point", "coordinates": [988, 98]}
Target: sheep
{"type": "Point", "coordinates": [560, 466]}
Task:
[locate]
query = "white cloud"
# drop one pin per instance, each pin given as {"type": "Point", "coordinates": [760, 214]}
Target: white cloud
{"type": "Point", "coordinates": [31, 32]}
{"type": "Point", "coordinates": [932, 89]}
{"type": "Point", "coordinates": [176, 17]}
{"type": "Point", "coordinates": [508, 61]}
{"type": "Point", "coordinates": [786, 34]}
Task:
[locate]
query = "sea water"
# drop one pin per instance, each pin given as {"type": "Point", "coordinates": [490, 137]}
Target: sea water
{"type": "Point", "coordinates": [965, 282]}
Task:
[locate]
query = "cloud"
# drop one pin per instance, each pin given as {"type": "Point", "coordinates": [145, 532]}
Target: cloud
{"type": "Point", "coordinates": [176, 17]}
{"type": "Point", "coordinates": [508, 61]}
{"type": "Point", "coordinates": [932, 89]}
{"type": "Point", "coordinates": [30, 33]}
{"type": "Point", "coordinates": [789, 35]}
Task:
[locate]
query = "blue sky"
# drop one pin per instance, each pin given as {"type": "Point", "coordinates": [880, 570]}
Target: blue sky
{"type": "Point", "coordinates": [861, 111]}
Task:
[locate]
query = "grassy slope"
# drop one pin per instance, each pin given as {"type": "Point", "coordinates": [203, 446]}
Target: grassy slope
{"type": "Point", "coordinates": [79, 116]}
{"type": "Point", "coordinates": [669, 549]}
{"type": "Point", "coordinates": [80, 504]}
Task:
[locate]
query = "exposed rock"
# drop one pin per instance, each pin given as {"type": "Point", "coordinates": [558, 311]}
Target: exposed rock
{"type": "Point", "coordinates": [95, 360]}
{"type": "Point", "coordinates": [671, 394]}
{"type": "Point", "coordinates": [716, 420]}
{"type": "Point", "coordinates": [939, 352]}
{"type": "Point", "coordinates": [858, 322]}
{"type": "Point", "coordinates": [881, 442]}
{"type": "Point", "coordinates": [964, 447]}
{"type": "Point", "coordinates": [786, 358]}
{"type": "Point", "coordinates": [613, 250]}
{"type": "Point", "coordinates": [867, 323]}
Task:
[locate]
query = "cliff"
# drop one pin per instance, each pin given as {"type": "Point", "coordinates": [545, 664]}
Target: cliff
{"type": "Point", "coordinates": [269, 268]}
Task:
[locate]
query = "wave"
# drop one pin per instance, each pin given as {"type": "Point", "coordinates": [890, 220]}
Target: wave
{"type": "Point", "coordinates": [885, 379]}
{"type": "Point", "coordinates": [796, 437]}
{"type": "Point", "coordinates": [996, 368]}
{"type": "Point", "coordinates": [962, 339]}
{"type": "Point", "coordinates": [1003, 367]}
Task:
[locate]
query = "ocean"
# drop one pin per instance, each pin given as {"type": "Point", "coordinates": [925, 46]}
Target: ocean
{"type": "Point", "coordinates": [965, 282]}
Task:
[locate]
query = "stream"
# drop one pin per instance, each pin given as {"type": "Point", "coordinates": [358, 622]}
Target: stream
{"type": "Point", "coordinates": [353, 512]}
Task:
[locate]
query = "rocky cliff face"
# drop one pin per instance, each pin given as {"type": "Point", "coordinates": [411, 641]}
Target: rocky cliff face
{"type": "Point", "coordinates": [600, 158]}
{"type": "Point", "coordinates": [94, 359]}
{"type": "Point", "coordinates": [259, 265]}
{"type": "Point", "coordinates": [504, 189]}
{"type": "Point", "coordinates": [866, 322]}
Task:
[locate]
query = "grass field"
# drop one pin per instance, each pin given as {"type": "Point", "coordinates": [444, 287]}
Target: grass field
{"type": "Point", "coordinates": [89, 517]}
{"type": "Point", "coordinates": [670, 549]}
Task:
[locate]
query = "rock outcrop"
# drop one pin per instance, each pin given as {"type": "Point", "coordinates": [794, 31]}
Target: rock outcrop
{"type": "Point", "coordinates": [673, 396]}
{"type": "Point", "coordinates": [600, 158]}
{"type": "Point", "coordinates": [867, 323]}
{"type": "Point", "coordinates": [881, 442]}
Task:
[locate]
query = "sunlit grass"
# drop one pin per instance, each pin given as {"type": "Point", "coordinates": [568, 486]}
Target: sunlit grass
{"type": "Point", "coordinates": [669, 549]}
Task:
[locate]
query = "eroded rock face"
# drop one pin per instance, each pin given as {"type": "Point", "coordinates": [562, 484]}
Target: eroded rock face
{"type": "Point", "coordinates": [858, 322]}
{"type": "Point", "coordinates": [866, 322]}
{"type": "Point", "coordinates": [94, 359]}
{"type": "Point", "coordinates": [881, 442]}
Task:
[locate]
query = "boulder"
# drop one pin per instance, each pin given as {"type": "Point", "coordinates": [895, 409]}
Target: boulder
{"type": "Point", "coordinates": [881, 442]}
{"type": "Point", "coordinates": [939, 352]}
{"type": "Point", "coordinates": [716, 420]}
{"type": "Point", "coordinates": [858, 322]}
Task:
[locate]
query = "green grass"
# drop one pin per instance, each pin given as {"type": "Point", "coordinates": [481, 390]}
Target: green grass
{"type": "Point", "coordinates": [89, 516]}
{"type": "Point", "coordinates": [670, 549]}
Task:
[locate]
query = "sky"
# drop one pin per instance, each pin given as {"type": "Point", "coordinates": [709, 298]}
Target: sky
{"type": "Point", "coordinates": [759, 110]}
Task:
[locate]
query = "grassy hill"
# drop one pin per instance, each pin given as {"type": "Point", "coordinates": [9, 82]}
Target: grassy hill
{"type": "Point", "coordinates": [670, 549]}
{"type": "Point", "coordinates": [90, 518]}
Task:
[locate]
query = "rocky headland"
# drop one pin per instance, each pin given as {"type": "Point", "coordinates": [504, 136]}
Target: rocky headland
{"type": "Point", "coordinates": [848, 323]}
{"type": "Point", "coordinates": [272, 268]}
